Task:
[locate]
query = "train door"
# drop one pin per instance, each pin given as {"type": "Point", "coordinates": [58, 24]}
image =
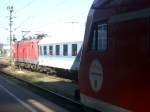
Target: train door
{"type": "Point", "coordinates": [93, 71]}
{"type": "Point", "coordinates": [97, 47]}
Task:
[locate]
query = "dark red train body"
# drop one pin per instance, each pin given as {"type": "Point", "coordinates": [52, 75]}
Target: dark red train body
{"type": "Point", "coordinates": [115, 65]}
{"type": "Point", "coordinates": [26, 53]}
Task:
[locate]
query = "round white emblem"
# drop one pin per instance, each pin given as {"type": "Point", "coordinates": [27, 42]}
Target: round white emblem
{"type": "Point", "coordinates": [96, 75]}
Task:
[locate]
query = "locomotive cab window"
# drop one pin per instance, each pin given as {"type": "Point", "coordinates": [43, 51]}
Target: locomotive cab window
{"type": "Point", "coordinates": [99, 38]}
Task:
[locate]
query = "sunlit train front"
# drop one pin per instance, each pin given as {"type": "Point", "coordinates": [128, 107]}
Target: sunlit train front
{"type": "Point", "coordinates": [115, 65]}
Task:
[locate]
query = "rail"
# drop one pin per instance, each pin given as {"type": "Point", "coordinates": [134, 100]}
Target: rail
{"type": "Point", "coordinates": [67, 103]}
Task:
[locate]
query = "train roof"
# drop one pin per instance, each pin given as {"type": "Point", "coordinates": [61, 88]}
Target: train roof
{"type": "Point", "coordinates": [102, 4]}
{"type": "Point", "coordinates": [34, 40]}
{"type": "Point", "coordinates": [106, 3]}
{"type": "Point", "coordinates": [53, 40]}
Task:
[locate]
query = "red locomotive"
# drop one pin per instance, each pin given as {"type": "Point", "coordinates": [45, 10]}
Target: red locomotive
{"type": "Point", "coordinates": [115, 65]}
{"type": "Point", "coordinates": [49, 55]}
{"type": "Point", "coordinates": [26, 53]}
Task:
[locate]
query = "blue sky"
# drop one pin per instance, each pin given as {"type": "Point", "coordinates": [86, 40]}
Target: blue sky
{"type": "Point", "coordinates": [53, 17]}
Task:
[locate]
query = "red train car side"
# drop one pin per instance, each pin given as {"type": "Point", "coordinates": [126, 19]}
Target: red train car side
{"type": "Point", "coordinates": [26, 53]}
{"type": "Point", "coordinates": [114, 71]}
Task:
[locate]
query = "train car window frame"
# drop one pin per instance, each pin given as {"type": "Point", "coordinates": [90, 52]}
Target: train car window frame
{"type": "Point", "coordinates": [102, 37]}
{"type": "Point", "coordinates": [74, 49]}
{"type": "Point", "coordinates": [99, 37]}
{"type": "Point", "coordinates": [94, 40]}
{"type": "Point", "coordinates": [65, 50]}
{"type": "Point", "coordinates": [57, 51]}
{"type": "Point", "coordinates": [50, 50]}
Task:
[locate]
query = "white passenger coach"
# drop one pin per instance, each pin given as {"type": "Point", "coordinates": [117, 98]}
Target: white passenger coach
{"type": "Point", "coordinates": [59, 53]}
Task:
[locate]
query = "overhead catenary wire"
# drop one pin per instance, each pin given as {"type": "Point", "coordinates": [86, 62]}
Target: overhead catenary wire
{"type": "Point", "coordinates": [25, 6]}
{"type": "Point", "coordinates": [61, 3]}
{"type": "Point", "coordinates": [28, 18]}
{"type": "Point", "coordinates": [22, 10]}
{"type": "Point", "coordinates": [23, 22]}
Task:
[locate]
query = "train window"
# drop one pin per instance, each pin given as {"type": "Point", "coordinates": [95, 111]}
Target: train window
{"type": "Point", "coordinates": [57, 49]}
{"type": "Point", "coordinates": [102, 37]}
{"type": "Point", "coordinates": [40, 50]}
{"type": "Point", "coordinates": [65, 49]}
{"type": "Point", "coordinates": [45, 50]}
{"type": "Point", "coordinates": [99, 38]}
{"type": "Point", "coordinates": [94, 44]}
{"type": "Point", "coordinates": [50, 50]}
{"type": "Point", "coordinates": [74, 49]}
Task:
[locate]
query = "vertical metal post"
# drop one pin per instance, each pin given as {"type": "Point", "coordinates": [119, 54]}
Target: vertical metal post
{"type": "Point", "coordinates": [10, 9]}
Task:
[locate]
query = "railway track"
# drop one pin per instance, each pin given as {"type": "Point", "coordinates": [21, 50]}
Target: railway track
{"type": "Point", "coordinates": [60, 73]}
{"type": "Point", "coordinates": [67, 103]}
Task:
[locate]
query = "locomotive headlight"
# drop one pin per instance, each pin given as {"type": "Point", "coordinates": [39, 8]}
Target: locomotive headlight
{"type": "Point", "coordinates": [96, 75]}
